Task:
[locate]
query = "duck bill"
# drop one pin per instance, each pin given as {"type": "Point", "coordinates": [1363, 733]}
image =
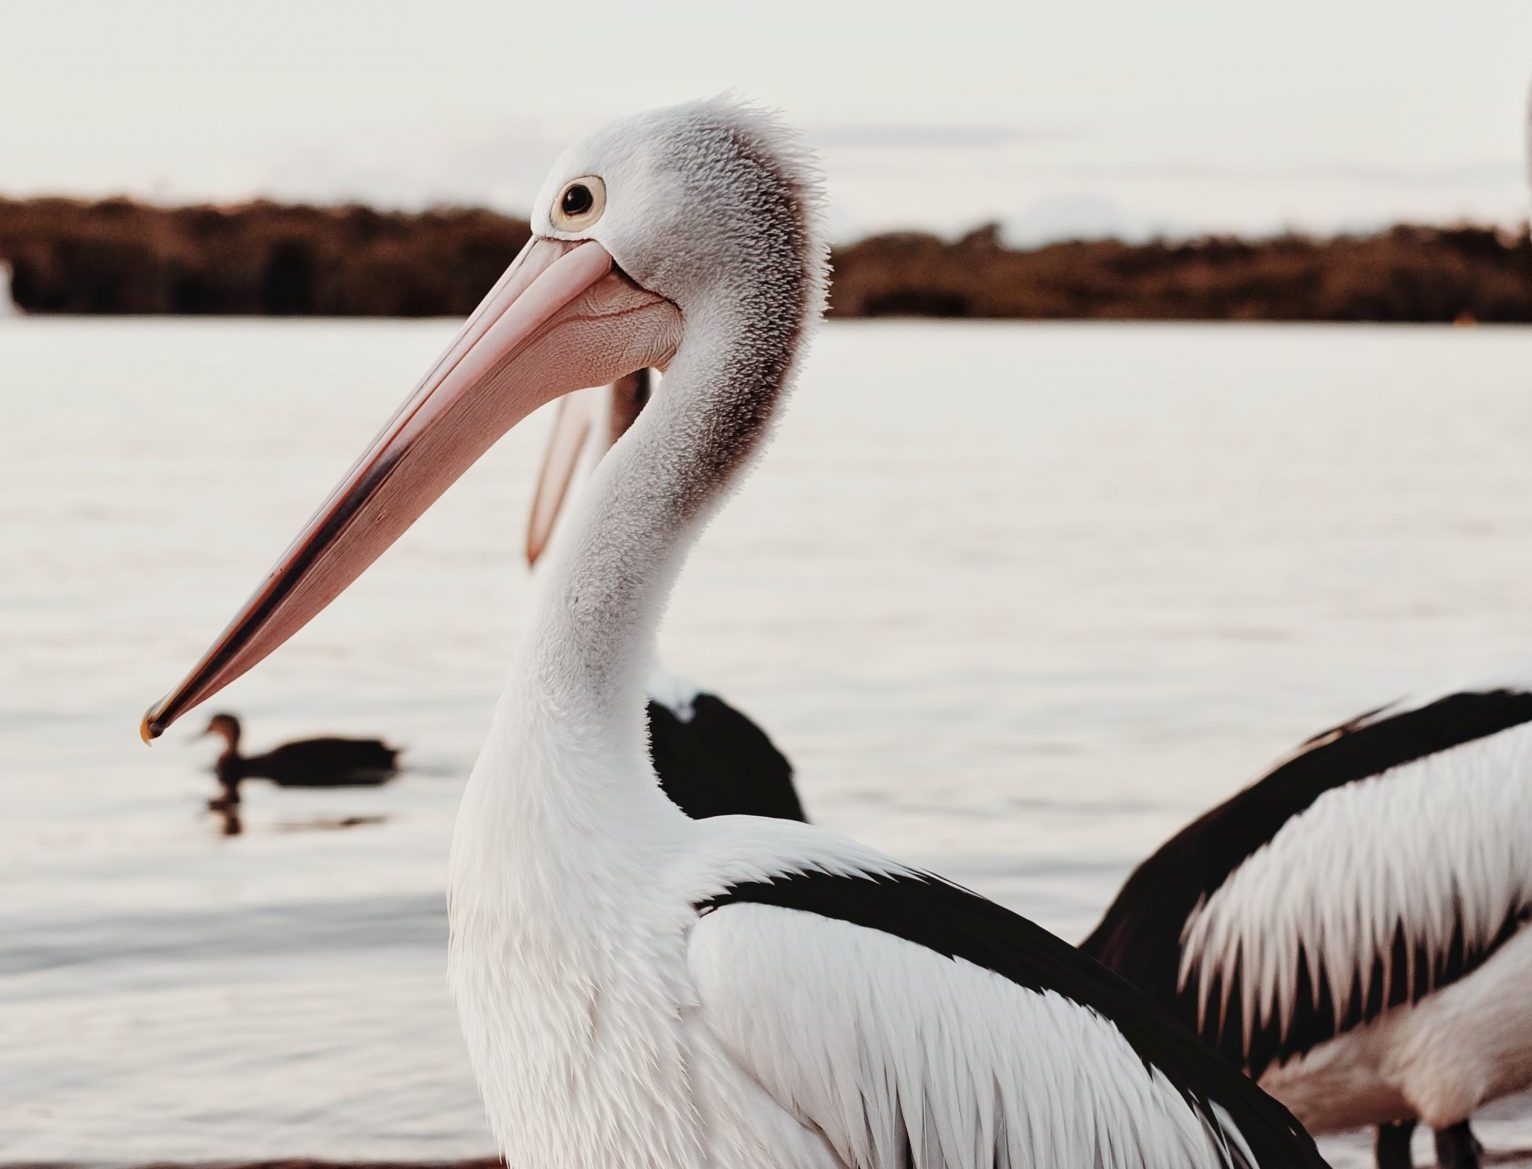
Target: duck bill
{"type": "Point", "coordinates": [563, 317]}
{"type": "Point", "coordinates": [601, 415]}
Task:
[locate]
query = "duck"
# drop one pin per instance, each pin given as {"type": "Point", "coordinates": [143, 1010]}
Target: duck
{"type": "Point", "coordinates": [325, 762]}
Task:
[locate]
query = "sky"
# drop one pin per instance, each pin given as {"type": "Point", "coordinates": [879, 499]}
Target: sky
{"type": "Point", "coordinates": [1088, 118]}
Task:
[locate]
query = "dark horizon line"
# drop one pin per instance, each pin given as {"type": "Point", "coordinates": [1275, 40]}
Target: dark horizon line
{"type": "Point", "coordinates": [1358, 230]}
{"type": "Point", "coordinates": [263, 258]}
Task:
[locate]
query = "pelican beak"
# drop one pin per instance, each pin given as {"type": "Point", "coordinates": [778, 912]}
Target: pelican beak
{"type": "Point", "coordinates": [603, 413]}
{"type": "Point", "coordinates": [563, 317]}
{"type": "Point", "coordinates": [572, 428]}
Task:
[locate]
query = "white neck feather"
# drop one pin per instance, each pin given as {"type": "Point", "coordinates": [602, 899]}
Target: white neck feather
{"type": "Point", "coordinates": [569, 734]}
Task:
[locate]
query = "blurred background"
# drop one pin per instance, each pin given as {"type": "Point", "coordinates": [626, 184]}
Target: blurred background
{"type": "Point", "coordinates": [1139, 447]}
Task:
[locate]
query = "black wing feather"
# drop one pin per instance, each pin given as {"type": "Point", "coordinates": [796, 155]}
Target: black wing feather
{"type": "Point", "coordinates": [719, 763]}
{"type": "Point", "coordinates": [957, 923]}
{"type": "Point", "coordinates": [1140, 934]}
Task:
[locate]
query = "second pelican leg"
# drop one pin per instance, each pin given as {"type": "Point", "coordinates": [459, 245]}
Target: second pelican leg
{"type": "Point", "coordinates": [1393, 1144]}
{"type": "Point", "coordinates": [1456, 1147]}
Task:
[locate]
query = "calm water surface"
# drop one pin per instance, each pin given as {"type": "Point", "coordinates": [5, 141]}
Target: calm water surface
{"type": "Point", "coordinates": [1018, 600]}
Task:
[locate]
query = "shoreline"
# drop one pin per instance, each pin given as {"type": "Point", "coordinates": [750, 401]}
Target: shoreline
{"type": "Point", "coordinates": [121, 257]}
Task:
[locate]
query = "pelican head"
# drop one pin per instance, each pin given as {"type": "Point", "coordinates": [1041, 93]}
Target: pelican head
{"type": "Point", "coordinates": [650, 238]}
{"type": "Point", "coordinates": [692, 202]}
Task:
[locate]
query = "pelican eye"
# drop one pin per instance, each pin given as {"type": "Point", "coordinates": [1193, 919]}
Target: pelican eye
{"type": "Point", "coordinates": [579, 204]}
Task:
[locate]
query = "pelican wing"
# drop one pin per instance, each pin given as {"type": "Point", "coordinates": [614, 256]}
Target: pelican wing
{"type": "Point", "coordinates": [917, 1025]}
{"type": "Point", "coordinates": [715, 762]}
{"type": "Point", "coordinates": [1384, 860]}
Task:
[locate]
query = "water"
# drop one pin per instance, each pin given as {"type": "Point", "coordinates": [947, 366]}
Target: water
{"type": "Point", "coordinates": [1018, 600]}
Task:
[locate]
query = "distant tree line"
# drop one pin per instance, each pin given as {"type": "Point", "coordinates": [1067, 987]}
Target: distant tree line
{"type": "Point", "coordinates": [120, 256]}
{"type": "Point", "coordinates": [262, 259]}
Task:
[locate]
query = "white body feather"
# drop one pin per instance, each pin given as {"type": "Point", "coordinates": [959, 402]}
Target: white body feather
{"type": "Point", "coordinates": [978, 1071]}
{"type": "Point", "coordinates": [608, 1024]}
{"type": "Point", "coordinates": [1437, 845]}
{"type": "Point", "coordinates": [1440, 1060]}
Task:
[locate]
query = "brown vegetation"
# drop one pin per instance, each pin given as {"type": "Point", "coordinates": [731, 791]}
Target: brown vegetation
{"type": "Point", "coordinates": [259, 259]}
{"type": "Point", "coordinates": [1403, 274]}
{"type": "Point", "coordinates": [119, 256]}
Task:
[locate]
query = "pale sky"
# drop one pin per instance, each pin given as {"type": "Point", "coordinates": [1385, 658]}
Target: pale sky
{"type": "Point", "coordinates": [1056, 118]}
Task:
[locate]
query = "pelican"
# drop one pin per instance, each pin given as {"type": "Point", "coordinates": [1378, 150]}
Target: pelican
{"type": "Point", "coordinates": [638, 988]}
{"type": "Point", "coordinates": [1351, 928]}
{"type": "Point", "coordinates": [710, 759]}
